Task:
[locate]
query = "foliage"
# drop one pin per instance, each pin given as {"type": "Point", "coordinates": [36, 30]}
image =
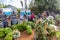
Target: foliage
{"type": "Point", "coordinates": [51, 33]}
{"type": "Point", "coordinates": [40, 32]}
{"type": "Point", "coordinates": [2, 6]}
{"type": "Point", "coordinates": [9, 36]}
{"type": "Point", "coordinates": [29, 30]}
{"type": "Point", "coordinates": [43, 31]}
{"type": "Point", "coordinates": [18, 9]}
{"type": "Point", "coordinates": [58, 34]}
{"type": "Point", "coordinates": [7, 30]}
{"type": "Point", "coordinates": [2, 34]}
{"type": "Point", "coordinates": [42, 5]}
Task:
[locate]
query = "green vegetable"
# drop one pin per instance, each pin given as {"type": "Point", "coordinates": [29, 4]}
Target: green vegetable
{"type": "Point", "coordinates": [14, 27]}
{"type": "Point", "coordinates": [8, 30]}
{"type": "Point", "coordinates": [2, 32]}
{"type": "Point", "coordinates": [58, 34]}
{"type": "Point", "coordinates": [32, 24]}
{"type": "Point", "coordinates": [29, 30]}
{"type": "Point", "coordinates": [9, 36]}
{"type": "Point", "coordinates": [22, 26]}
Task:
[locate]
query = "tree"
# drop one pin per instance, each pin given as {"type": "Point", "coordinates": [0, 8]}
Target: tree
{"type": "Point", "coordinates": [42, 5]}
{"type": "Point", "coordinates": [18, 9]}
{"type": "Point", "coordinates": [2, 6]}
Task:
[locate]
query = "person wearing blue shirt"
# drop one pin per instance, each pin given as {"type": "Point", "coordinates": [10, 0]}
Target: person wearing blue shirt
{"type": "Point", "coordinates": [13, 19]}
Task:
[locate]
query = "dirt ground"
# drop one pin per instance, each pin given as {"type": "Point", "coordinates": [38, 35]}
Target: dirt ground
{"type": "Point", "coordinates": [25, 36]}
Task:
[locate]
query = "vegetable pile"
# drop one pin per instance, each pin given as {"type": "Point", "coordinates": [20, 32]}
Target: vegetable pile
{"type": "Point", "coordinates": [2, 34]}
{"type": "Point", "coordinates": [22, 27]}
{"type": "Point", "coordinates": [29, 30]}
{"type": "Point", "coordinates": [9, 36]}
{"type": "Point", "coordinates": [14, 32]}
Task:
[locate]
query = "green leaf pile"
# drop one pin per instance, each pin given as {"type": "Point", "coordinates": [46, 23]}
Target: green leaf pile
{"type": "Point", "coordinates": [9, 36]}
{"type": "Point", "coordinates": [2, 32]}
{"type": "Point", "coordinates": [14, 27]}
{"type": "Point", "coordinates": [8, 30]}
{"type": "Point", "coordinates": [29, 30]}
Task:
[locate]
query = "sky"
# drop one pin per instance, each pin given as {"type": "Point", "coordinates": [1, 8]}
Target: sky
{"type": "Point", "coordinates": [16, 3]}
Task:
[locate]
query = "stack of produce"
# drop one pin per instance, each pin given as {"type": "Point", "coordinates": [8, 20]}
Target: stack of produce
{"type": "Point", "coordinates": [9, 36]}
{"type": "Point", "coordinates": [2, 34]}
{"type": "Point", "coordinates": [29, 30]}
{"type": "Point", "coordinates": [8, 30]}
{"type": "Point", "coordinates": [22, 27]}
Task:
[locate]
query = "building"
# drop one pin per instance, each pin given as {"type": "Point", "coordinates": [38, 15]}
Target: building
{"type": "Point", "coordinates": [13, 8]}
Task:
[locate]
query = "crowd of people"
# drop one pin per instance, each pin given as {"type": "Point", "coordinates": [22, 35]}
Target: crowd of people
{"type": "Point", "coordinates": [6, 21]}
{"type": "Point", "coordinates": [46, 14]}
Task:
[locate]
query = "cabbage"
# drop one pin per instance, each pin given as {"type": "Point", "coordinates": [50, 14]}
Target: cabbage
{"type": "Point", "coordinates": [29, 30]}
{"type": "Point", "coordinates": [14, 27]}
{"type": "Point", "coordinates": [2, 32]}
{"type": "Point", "coordinates": [9, 36]}
{"type": "Point", "coordinates": [8, 30]}
{"type": "Point", "coordinates": [16, 34]}
{"type": "Point", "coordinates": [22, 26]}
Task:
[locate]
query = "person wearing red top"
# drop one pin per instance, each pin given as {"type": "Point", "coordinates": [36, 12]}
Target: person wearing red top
{"type": "Point", "coordinates": [32, 16]}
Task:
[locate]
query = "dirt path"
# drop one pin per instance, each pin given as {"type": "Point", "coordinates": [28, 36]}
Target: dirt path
{"type": "Point", "coordinates": [25, 36]}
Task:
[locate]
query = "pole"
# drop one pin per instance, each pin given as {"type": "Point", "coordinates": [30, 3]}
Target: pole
{"type": "Point", "coordinates": [25, 6]}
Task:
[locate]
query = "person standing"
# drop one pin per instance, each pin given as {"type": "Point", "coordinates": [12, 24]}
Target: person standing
{"type": "Point", "coordinates": [13, 18]}
{"type": "Point", "coordinates": [38, 15]}
{"type": "Point", "coordinates": [25, 18]}
{"type": "Point", "coordinates": [18, 17]}
{"type": "Point", "coordinates": [32, 17]}
{"type": "Point", "coordinates": [45, 15]}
